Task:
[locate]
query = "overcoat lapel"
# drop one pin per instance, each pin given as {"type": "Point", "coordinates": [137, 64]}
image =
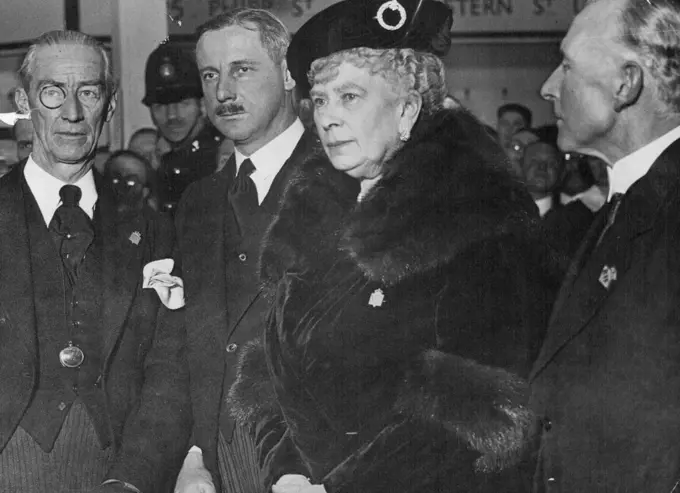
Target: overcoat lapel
{"type": "Point", "coordinates": [16, 294]}
{"type": "Point", "coordinates": [597, 271]}
{"type": "Point", "coordinates": [123, 242]}
{"type": "Point", "coordinates": [270, 203]}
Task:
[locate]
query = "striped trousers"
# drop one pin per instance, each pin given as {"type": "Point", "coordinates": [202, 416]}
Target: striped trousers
{"type": "Point", "coordinates": [238, 463]}
{"type": "Point", "coordinates": [76, 464]}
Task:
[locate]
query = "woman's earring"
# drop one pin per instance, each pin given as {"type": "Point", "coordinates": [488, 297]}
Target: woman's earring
{"type": "Point", "coordinates": [404, 135]}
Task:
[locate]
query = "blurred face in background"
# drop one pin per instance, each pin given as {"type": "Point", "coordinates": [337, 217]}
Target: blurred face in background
{"type": "Point", "coordinates": [577, 174]}
{"type": "Point", "coordinates": [130, 180]}
{"type": "Point", "coordinates": [68, 105]}
{"type": "Point", "coordinates": [542, 168]}
{"type": "Point", "coordinates": [599, 169]}
{"type": "Point", "coordinates": [515, 151]}
{"type": "Point", "coordinates": [509, 123]}
{"type": "Point", "coordinates": [144, 144]}
{"type": "Point", "coordinates": [178, 121]}
{"type": "Point", "coordinates": [23, 134]}
{"type": "Point", "coordinates": [8, 153]}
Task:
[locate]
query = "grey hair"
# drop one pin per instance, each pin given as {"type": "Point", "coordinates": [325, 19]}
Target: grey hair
{"type": "Point", "coordinates": [652, 30]}
{"type": "Point", "coordinates": [53, 38]}
{"type": "Point", "coordinates": [274, 35]}
{"type": "Point", "coordinates": [403, 68]}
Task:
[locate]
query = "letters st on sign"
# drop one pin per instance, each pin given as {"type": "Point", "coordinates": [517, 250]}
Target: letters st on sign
{"type": "Point", "coordinates": [471, 16]}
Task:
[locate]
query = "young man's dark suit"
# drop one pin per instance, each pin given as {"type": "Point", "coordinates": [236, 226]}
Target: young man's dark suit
{"type": "Point", "coordinates": [225, 307]}
{"type": "Point", "coordinates": [142, 381]}
{"type": "Point", "coordinates": [606, 385]}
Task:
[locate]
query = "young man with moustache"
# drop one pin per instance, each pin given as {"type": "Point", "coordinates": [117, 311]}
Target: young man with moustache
{"type": "Point", "coordinates": [248, 92]}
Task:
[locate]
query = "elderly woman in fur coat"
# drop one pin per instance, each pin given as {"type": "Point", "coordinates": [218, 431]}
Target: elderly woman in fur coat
{"type": "Point", "coordinates": [410, 295]}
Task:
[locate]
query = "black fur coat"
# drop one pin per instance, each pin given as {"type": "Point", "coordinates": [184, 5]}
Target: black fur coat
{"type": "Point", "coordinates": [404, 325]}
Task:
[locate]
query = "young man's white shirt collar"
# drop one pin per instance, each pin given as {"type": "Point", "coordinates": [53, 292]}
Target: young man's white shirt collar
{"type": "Point", "coordinates": [544, 205]}
{"type": "Point", "coordinates": [631, 168]}
{"type": "Point", "coordinates": [45, 189]}
{"type": "Point", "coordinates": [593, 198]}
{"type": "Point", "coordinates": [270, 158]}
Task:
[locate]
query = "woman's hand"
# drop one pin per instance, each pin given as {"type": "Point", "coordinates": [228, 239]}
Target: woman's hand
{"type": "Point", "coordinates": [296, 483]}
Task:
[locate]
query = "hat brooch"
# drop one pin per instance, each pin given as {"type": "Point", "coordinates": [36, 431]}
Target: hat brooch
{"type": "Point", "coordinates": [395, 6]}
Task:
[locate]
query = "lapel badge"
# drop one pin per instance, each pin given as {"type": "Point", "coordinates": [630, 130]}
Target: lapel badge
{"type": "Point", "coordinates": [607, 276]}
{"type": "Point", "coordinates": [377, 298]}
{"type": "Point", "coordinates": [195, 146]}
{"type": "Point", "coordinates": [135, 238]}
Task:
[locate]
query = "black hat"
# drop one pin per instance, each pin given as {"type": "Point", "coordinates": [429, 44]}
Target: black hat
{"type": "Point", "coordinates": [378, 24]}
{"type": "Point", "coordinates": [171, 76]}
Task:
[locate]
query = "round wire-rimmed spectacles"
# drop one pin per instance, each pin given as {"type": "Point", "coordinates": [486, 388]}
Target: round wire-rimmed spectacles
{"type": "Point", "coordinates": [53, 96]}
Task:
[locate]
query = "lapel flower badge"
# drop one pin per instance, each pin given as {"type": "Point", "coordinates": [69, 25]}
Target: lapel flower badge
{"type": "Point", "coordinates": [377, 298]}
{"type": "Point", "coordinates": [135, 238]}
{"type": "Point", "coordinates": [170, 289]}
{"type": "Point", "coordinates": [607, 276]}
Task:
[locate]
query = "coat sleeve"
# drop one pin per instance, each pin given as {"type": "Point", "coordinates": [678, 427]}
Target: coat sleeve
{"type": "Point", "coordinates": [252, 401]}
{"type": "Point", "coordinates": [156, 431]}
{"type": "Point", "coordinates": [465, 391]}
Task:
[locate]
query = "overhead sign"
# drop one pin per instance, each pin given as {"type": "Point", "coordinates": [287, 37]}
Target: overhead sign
{"type": "Point", "coordinates": [470, 16]}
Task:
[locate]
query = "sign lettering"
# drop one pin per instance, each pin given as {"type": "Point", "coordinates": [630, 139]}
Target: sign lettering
{"type": "Point", "coordinates": [470, 16]}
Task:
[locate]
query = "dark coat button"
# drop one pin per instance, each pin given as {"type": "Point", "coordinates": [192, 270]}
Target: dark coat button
{"type": "Point", "coordinates": [547, 424]}
{"type": "Point", "coordinates": [232, 347]}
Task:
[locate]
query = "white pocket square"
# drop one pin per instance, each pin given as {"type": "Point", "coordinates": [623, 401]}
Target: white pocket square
{"type": "Point", "coordinates": [170, 289]}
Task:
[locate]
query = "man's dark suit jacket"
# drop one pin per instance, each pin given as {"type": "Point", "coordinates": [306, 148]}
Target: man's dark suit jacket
{"type": "Point", "coordinates": [216, 337]}
{"type": "Point", "coordinates": [606, 384]}
{"type": "Point", "coordinates": [144, 373]}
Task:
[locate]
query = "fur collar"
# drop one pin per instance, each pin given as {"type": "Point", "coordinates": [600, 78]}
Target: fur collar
{"type": "Point", "coordinates": [444, 191]}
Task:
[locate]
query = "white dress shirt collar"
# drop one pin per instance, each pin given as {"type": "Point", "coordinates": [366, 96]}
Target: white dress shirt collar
{"type": "Point", "coordinates": [45, 189]}
{"type": "Point", "coordinates": [626, 171]}
{"type": "Point", "coordinates": [593, 198]}
{"type": "Point", "coordinates": [544, 205]}
{"type": "Point", "coordinates": [270, 158]}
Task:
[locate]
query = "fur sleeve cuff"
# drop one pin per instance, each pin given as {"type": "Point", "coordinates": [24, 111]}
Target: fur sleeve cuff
{"type": "Point", "coordinates": [483, 405]}
{"type": "Point", "coordinates": [251, 396]}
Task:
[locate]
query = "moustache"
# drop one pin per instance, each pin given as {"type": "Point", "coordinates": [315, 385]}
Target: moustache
{"type": "Point", "coordinates": [229, 109]}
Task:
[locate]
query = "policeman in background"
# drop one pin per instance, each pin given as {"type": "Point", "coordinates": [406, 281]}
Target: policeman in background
{"type": "Point", "coordinates": [174, 97]}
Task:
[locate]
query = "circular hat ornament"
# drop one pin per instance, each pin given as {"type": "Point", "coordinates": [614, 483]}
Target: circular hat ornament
{"type": "Point", "coordinates": [392, 5]}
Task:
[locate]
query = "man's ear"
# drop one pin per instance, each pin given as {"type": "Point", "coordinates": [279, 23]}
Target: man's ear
{"type": "Point", "coordinates": [630, 85]}
{"type": "Point", "coordinates": [113, 102]}
{"type": "Point", "coordinates": [288, 81]}
{"type": "Point", "coordinates": [21, 100]}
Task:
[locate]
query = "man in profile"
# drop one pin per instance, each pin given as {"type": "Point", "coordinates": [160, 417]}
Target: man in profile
{"type": "Point", "coordinates": [606, 385]}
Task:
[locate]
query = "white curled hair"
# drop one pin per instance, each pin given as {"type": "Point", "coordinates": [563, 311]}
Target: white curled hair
{"type": "Point", "coordinates": [403, 68]}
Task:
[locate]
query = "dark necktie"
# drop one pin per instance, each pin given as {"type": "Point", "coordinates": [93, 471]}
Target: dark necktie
{"type": "Point", "coordinates": [243, 194]}
{"type": "Point", "coordinates": [611, 210]}
{"type": "Point", "coordinates": [72, 230]}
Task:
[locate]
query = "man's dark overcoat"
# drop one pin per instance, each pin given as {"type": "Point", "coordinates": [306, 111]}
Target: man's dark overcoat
{"type": "Point", "coordinates": [607, 383]}
{"type": "Point", "coordinates": [404, 325]}
{"type": "Point", "coordinates": [144, 372]}
{"type": "Point", "coordinates": [225, 308]}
